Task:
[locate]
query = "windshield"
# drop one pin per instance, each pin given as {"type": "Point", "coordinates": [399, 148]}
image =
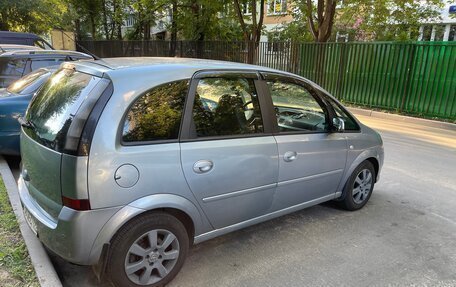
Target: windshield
{"type": "Point", "coordinates": [52, 110]}
{"type": "Point", "coordinates": [30, 83]}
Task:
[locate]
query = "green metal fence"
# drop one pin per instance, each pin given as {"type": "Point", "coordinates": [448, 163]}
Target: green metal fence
{"type": "Point", "coordinates": [415, 78]}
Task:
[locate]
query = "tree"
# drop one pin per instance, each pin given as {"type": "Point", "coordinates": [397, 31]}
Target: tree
{"type": "Point", "coordinates": [366, 19]}
{"type": "Point", "coordinates": [251, 32]}
{"type": "Point", "coordinates": [36, 16]}
{"type": "Point", "coordinates": [89, 15]}
{"type": "Point", "coordinates": [321, 19]}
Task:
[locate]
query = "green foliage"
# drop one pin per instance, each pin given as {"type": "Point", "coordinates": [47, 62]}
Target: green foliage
{"type": "Point", "coordinates": [365, 20]}
{"type": "Point", "coordinates": [13, 253]}
{"type": "Point", "coordinates": [386, 20]}
{"type": "Point", "coordinates": [36, 16]}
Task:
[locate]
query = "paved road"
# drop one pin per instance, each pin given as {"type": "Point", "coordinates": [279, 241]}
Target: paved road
{"type": "Point", "coordinates": [405, 235]}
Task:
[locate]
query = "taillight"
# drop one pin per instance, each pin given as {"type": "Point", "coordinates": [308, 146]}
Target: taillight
{"type": "Point", "coordinates": [76, 204]}
{"type": "Point", "coordinates": [76, 128]}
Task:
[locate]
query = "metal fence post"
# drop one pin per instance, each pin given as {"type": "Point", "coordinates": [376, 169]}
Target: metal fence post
{"type": "Point", "coordinates": [341, 70]}
{"type": "Point", "coordinates": [409, 76]}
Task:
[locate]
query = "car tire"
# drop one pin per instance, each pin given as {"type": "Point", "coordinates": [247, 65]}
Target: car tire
{"type": "Point", "coordinates": [359, 187]}
{"type": "Point", "coordinates": [155, 245]}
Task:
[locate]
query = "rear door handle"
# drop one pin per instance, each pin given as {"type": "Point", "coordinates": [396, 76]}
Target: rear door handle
{"type": "Point", "coordinates": [290, 156]}
{"type": "Point", "coordinates": [203, 166]}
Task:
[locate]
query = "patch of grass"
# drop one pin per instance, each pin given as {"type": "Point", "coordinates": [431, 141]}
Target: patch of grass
{"type": "Point", "coordinates": [14, 258]}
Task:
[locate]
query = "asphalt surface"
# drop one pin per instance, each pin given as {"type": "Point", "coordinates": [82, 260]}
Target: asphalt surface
{"type": "Point", "coordinates": [404, 236]}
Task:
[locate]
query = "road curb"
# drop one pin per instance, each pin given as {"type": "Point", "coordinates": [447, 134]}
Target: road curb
{"type": "Point", "coordinates": [402, 118]}
{"type": "Point", "coordinates": [44, 269]}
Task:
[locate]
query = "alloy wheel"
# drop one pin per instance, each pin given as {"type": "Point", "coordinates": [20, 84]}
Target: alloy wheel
{"type": "Point", "coordinates": [152, 256]}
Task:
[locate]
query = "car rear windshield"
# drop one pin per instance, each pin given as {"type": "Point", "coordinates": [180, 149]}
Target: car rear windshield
{"type": "Point", "coordinates": [52, 110]}
{"type": "Point", "coordinates": [29, 83]}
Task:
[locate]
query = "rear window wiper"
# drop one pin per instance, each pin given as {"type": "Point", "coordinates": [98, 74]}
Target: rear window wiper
{"type": "Point", "coordinates": [26, 123]}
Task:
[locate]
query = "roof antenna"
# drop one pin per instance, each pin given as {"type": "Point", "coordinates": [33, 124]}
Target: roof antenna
{"type": "Point", "coordinates": [79, 45]}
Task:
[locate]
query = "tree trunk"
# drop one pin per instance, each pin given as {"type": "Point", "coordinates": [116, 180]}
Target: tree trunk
{"type": "Point", "coordinates": [93, 26]}
{"type": "Point", "coordinates": [105, 19]}
{"type": "Point", "coordinates": [172, 50]}
{"type": "Point", "coordinates": [77, 26]}
{"type": "Point", "coordinates": [321, 25]}
{"type": "Point", "coordinates": [118, 19]}
{"type": "Point", "coordinates": [4, 26]}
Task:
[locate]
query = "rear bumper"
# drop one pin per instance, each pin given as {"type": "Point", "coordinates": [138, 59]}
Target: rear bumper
{"type": "Point", "coordinates": [72, 234]}
{"type": "Point", "coordinates": [9, 143]}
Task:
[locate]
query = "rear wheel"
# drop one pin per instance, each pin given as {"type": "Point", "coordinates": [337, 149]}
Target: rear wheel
{"type": "Point", "coordinates": [359, 187]}
{"type": "Point", "coordinates": [150, 251]}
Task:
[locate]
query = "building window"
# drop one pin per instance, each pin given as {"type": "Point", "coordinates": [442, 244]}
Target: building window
{"type": "Point", "coordinates": [130, 21]}
{"type": "Point", "coordinates": [246, 9]}
{"type": "Point", "coordinates": [452, 36]}
{"type": "Point", "coordinates": [277, 7]}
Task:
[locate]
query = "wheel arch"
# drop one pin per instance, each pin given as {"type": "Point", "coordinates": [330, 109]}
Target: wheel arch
{"type": "Point", "coordinates": [178, 206]}
{"type": "Point", "coordinates": [370, 155]}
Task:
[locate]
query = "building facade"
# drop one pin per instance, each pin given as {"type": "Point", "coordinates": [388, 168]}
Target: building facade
{"type": "Point", "coordinates": [442, 30]}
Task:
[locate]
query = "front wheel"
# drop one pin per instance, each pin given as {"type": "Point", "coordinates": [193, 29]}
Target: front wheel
{"type": "Point", "coordinates": [359, 187]}
{"type": "Point", "coordinates": [149, 251]}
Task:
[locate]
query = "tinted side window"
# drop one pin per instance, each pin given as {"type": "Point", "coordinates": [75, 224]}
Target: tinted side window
{"type": "Point", "coordinates": [156, 115]}
{"type": "Point", "coordinates": [10, 70]}
{"type": "Point", "coordinates": [226, 106]}
{"type": "Point", "coordinates": [42, 63]}
{"type": "Point", "coordinates": [350, 123]}
{"type": "Point", "coordinates": [296, 109]}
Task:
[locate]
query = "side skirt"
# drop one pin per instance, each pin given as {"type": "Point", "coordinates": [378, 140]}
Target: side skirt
{"type": "Point", "coordinates": [217, 232]}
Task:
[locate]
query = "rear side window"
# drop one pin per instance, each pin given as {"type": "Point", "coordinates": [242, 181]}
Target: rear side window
{"type": "Point", "coordinates": [10, 70]}
{"type": "Point", "coordinates": [157, 114]}
{"type": "Point", "coordinates": [54, 107]}
{"type": "Point", "coordinates": [42, 63]}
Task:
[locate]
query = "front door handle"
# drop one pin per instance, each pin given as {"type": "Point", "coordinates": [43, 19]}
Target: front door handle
{"type": "Point", "coordinates": [290, 156]}
{"type": "Point", "coordinates": [203, 166]}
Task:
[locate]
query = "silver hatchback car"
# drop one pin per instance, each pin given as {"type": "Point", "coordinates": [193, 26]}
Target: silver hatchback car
{"type": "Point", "coordinates": [129, 161]}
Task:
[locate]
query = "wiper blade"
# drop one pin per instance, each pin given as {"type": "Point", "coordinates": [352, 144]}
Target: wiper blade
{"type": "Point", "coordinates": [26, 123]}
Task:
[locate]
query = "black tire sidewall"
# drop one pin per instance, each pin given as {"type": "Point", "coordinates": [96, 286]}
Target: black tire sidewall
{"type": "Point", "coordinates": [348, 202]}
{"type": "Point", "coordinates": [131, 232]}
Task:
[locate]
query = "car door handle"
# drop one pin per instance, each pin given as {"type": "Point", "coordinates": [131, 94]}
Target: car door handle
{"type": "Point", "coordinates": [203, 166]}
{"type": "Point", "coordinates": [290, 156]}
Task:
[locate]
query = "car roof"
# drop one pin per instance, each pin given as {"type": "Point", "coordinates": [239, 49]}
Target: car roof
{"type": "Point", "coordinates": [18, 35]}
{"type": "Point", "coordinates": [111, 66]}
{"type": "Point", "coordinates": [43, 53]}
{"type": "Point", "coordinates": [140, 73]}
{"type": "Point", "coordinates": [10, 47]}
{"type": "Point", "coordinates": [132, 62]}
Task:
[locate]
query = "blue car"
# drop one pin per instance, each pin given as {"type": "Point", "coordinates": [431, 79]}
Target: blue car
{"type": "Point", "coordinates": [13, 102]}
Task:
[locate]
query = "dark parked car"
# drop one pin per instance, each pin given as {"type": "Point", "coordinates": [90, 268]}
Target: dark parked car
{"type": "Point", "coordinates": [13, 103]}
{"type": "Point", "coordinates": [14, 47]}
{"type": "Point", "coordinates": [28, 39]}
{"type": "Point", "coordinates": [15, 64]}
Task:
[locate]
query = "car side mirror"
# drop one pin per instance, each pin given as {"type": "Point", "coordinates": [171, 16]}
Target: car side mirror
{"type": "Point", "coordinates": [338, 124]}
